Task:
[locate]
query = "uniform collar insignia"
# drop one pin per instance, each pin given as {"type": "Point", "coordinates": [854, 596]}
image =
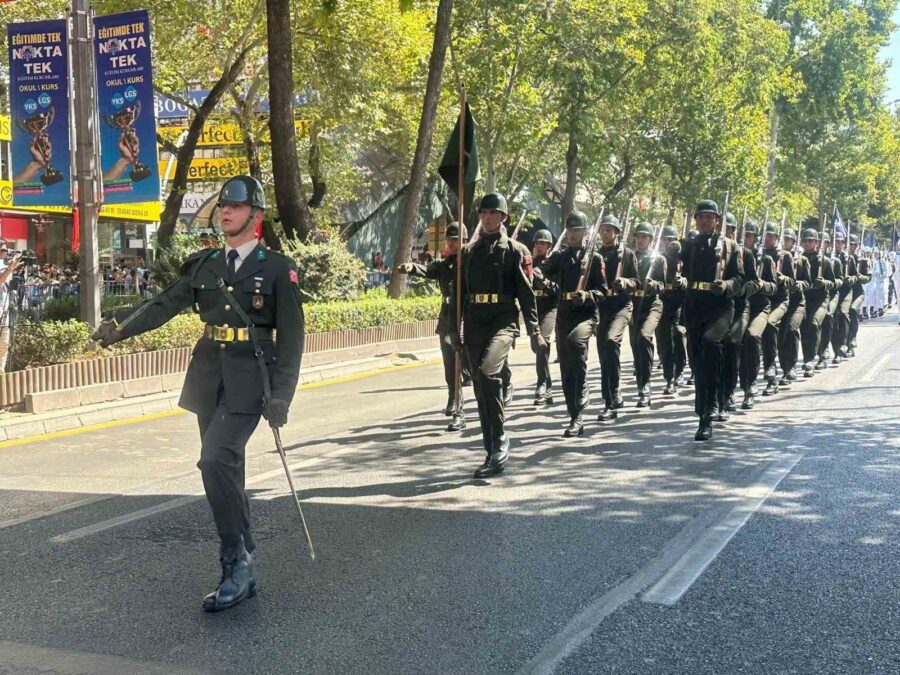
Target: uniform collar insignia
{"type": "Point", "coordinates": [261, 254]}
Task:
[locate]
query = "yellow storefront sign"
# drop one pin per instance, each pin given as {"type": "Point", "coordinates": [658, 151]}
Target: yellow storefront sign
{"type": "Point", "coordinates": [5, 131]}
{"type": "Point", "coordinates": [222, 135]}
{"type": "Point", "coordinates": [212, 169]}
{"type": "Point", "coordinates": [147, 212]}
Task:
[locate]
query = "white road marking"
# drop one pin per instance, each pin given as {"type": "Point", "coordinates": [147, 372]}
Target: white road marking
{"type": "Point", "coordinates": [682, 547]}
{"type": "Point", "coordinates": [675, 583]}
{"type": "Point", "coordinates": [15, 656]}
{"type": "Point", "coordinates": [874, 370]}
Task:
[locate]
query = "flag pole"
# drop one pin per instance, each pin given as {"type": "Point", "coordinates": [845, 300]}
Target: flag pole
{"type": "Point", "coordinates": [461, 193]}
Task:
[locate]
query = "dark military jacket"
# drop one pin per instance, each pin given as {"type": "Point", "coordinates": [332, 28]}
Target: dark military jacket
{"type": "Point", "coordinates": [546, 291]}
{"type": "Point", "coordinates": [848, 267]}
{"type": "Point", "coordinates": [564, 266]}
{"type": "Point", "coordinates": [837, 266]}
{"type": "Point", "coordinates": [651, 273]}
{"type": "Point", "coordinates": [444, 271]}
{"type": "Point", "coordinates": [821, 273]}
{"type": "Point", "coordinates": [862, 276]}
{"type": "Point", "coordinates": [266, 287]}
{"type": "Point", "coordinates": [672, 297]}
{"type": "Point", "coordinates": [764, 271]}
{"type": "Point", "coordinates": [802, 280]}
{"type": "Point", "coordinates": [616, 300]}
{"type": "Point", "coordinates": [497, 265]}
{"type": "Point", "coordinates": [748, 260]}
{"type": "Point", "coordinates": [700, 262]}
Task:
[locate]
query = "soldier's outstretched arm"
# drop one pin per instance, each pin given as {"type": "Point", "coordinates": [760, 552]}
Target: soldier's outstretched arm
{"type": "Point", "coordinates": [148, 315]}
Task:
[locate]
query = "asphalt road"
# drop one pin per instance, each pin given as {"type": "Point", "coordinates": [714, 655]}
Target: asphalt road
{"type": "Point", "coordinates": [633, 549]}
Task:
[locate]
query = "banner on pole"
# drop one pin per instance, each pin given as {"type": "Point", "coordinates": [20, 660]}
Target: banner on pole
{"type": "Point", "coordinates": [125, 107]}
{"type": "Point", "coordinates": [39, 106]}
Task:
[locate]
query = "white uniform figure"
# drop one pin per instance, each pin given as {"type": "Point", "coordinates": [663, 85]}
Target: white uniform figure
{"type": "Point", "coordinates": [895, 279]}
{"type": "Point", "coordinates": [879, 272]}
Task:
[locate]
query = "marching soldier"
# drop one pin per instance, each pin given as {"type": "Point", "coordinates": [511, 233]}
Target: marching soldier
{"type": "Point", "coordinates": [714, 273]}
{"type": "Point", "coordinates": [576, 319]}
{"type": "Point", "coordinates": [651, 274]}
{"type": "Point", "coordinates": [496, 276]}
{"type": "Point", "coordinates": [547, 298]}
{"type": "Point", "coordinates": [822, 276]}
{"type": "Point", "coordinates": [252, 345]}
{"type": "Point", "coordinates": [797, 281]}
{"type": "Point", "coordinates": [862, 278]}
{"type": "Point", "coordinates": [734, 340]}
{"type": "Point", "coordinates": [760, 304]}
{"type": "Point", "coordinates": [670, 333]}
{"type": "Point", "coordinates": [614, 312]}
{"type": "Point", "coordinates": [833, 302]}
{"type": "Point", "coordinates": [444, 271]}
{"type": "Point", "coordinates": [784, 271]}
{"type": "Point", "coordinates": [840, 333]}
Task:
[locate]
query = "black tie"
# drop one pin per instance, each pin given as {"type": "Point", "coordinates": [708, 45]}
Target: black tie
{"type": "Point", "coordinates": [233, 255]}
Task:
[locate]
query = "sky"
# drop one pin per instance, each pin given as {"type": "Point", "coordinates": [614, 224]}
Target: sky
{"type": "Point", "coordinates": [892, 52]}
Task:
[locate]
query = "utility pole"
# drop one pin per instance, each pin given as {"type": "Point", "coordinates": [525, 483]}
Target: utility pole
{"type": "Point", "coordinates": [87, 180]}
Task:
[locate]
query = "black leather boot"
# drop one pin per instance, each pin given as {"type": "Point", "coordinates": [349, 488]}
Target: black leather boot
{"type": "Point", "coordinates": [508, 395]}
{"type": "Point", "coordinates": [575, 428]}
{"type": "Point", "coordinates": [237, 584]}
{"type": "Point", "coordinates": [704, 431]}
{"type": "Point", "coordinates": [495, 462]}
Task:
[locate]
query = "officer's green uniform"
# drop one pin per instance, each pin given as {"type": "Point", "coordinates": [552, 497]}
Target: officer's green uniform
{"type": "Point", "coordinates": [734, 340]}
{"type": "Point", "coordinates": [759, 301]}
{"type": "Point", "coordinates": [708, 314]}
{"type": "Point", "coordinates": [840, 331]}
{"type": "Point", "coordinates": [817, 299]}
{"type": "Point", "coordinates": [862, 278]}
{"type": "Point", "coordinates": [798, 280]}
{"type": "Point", "coordinates": [784, 271]}
{"type": "Point", "coordinates": [224, 384]}
{"type": "Point", "coordinates": [546, 296]}
{"type": "Point", "coordinates": [444, 271]}
{"type": "Point", "coordinates": [614, 314]}
{"type": "Point", "coordinates": [496, 276]}
{"type": "Point", "coordinates": [651, 275]}
{"type": "Point", "coordinates": [576, 318]}
{"type": "Point", "coordinates": [670, 333]}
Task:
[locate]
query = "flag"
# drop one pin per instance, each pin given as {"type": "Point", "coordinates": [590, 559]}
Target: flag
{"type": "Point", "coordinates": [449, 167]}
{"type": "Point", "coordinates": [837, 223]}
{"type": "Point", "coordinates": [870, 240]}
{"type": "Point", "coordinates": [895, 238]}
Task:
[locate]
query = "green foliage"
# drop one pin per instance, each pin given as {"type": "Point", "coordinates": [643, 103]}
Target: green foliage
{"type": "Point", "coordinates": [43, 344]}
{"type": "Point", "coordinates": [328, 271]}
{"type": "Point", "coordinates": [61, 309]}
{"type": "Point", "coordinates": [369, 312]}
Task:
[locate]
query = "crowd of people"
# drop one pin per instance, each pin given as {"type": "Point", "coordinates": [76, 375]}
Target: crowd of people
{"type": "Point", "coordinates": [727, 309]}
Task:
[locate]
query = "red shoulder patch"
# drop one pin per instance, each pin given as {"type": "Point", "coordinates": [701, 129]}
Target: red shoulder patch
{"type": "Point", "coordinates": [292, 275]}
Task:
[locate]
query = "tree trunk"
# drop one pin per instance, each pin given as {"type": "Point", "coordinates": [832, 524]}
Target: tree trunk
{"type": "Point", "coordinates": [568, 204]}
{"type": "Point", "coordinates": [319, 187]}
{"type": "Point", "coordinates": [185, 155]}
{"type": "Point", "coordinates": [423, 144]}
{"type": "Point", "coordinates": [289, 195]}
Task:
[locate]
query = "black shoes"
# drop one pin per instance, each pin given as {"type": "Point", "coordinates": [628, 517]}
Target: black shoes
{"type": "Point", "coordinates": [729, 404]}
{"type": "Point", "coordinates": [822, 364]}
{"type": "Point", "coordinates": [671, 388]}
{"type": "Point", "coordinates": [237, 584]}
{"type": "Point", "coordinates": [771, 388]}
{"type": "Point", "coordinates": [575, 428]}
{"type": "Point", "coordinates": [548, 395]}
{"type": "Point", "coordinates": [644, 397]}
{"type": "Point", "coordinates": [508, 396]}
{"type": "Point", "coordinates": [610, 412]}
{"type": "Point", "coordinates": [749, 401]}
{"type": "Point", "coordinates": [722, 415]}
{"type": "Point", "coordinates": [808, 369]}
{"type": "Point", "coordinates": [704, 431]}
{"type": "Point", "coordinates": [458, 423]}
{"type": "Point", "coordinates": [495, 462]}
{"type": "Point", "coordinates": [543, 395]}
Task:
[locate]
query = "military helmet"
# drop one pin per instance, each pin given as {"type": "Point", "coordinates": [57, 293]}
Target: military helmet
{"type": "Point", "coordinates": [707, 206]}
{"type": "Point", "coordinates": [494, 201]}
{"type": "Point", "coordinates": [824, 237]}
{"type": "Point", "coordinates": [730, 220]}
{"type": "Point", "coordinates": [611, 221]}
{"type": "Point", "coordinates": [810, 233]}
{"type": "Point", "coordinates": [840, 236]}
{"type": "Point", "coordinates": [789, 233]}
{"type": "Point", "coordinates": [854, 239]}
{"type": "Point", "coordinates": [771, 228]}
{"type": "Point", "coordinates": [452, 231]}
{"type": "Point", "coordinates": [751, 227]}
{"type": "Point", "coordinates": [576, 221]}
{"type": "Point", "coordinates": [669, 232]}
{"type": "Point", "coordinates": [544, 236]}
{"type": "Point", "coordinates": [245, 190]}
{"type": "Point", "coordinates": [644, 228]}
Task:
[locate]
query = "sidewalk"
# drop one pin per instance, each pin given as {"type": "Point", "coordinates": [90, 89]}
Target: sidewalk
{"type": "Point", "coordinates": [19, 425]}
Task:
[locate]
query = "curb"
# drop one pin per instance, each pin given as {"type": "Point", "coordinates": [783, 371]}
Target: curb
{"type": "Point", "coordinates": [21, 426]}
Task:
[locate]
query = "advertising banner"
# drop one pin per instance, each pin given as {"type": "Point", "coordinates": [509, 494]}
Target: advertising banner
{"type": "Point", "coordinates": [39, 106]}
{"type": "Point", "coordinates": [125, 108]}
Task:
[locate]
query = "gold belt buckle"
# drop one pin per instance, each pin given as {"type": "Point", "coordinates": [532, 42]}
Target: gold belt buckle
{"type": "Point", "coordinates": [223, 334]}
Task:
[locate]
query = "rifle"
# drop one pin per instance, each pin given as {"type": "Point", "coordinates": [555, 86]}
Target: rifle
{"type": "Point", "coordinates": [684, 228]}
{"type": "Point", "coordinates": [743, 232]}
{"type": "Point", "coordinates": [587, 254]}
{"type": "Point", "coordinates": [720, 243]}
{"type": "Point", "coordinates": [626, 230]}
{"type": "Point", "coordinates": [760, 241]}
{"type": "Point", "coordinates": [515, 234]}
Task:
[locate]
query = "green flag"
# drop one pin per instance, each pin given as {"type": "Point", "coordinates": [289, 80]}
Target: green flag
{"type": "Point", "coordinates": [449, 168]}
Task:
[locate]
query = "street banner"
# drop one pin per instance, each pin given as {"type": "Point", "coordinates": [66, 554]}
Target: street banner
{"type": "Point", "coordinates": [39, 106]}
{"type": "Point", "coordinates": [125, 108]}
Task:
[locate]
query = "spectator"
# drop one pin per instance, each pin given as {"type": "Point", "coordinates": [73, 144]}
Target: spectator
{"type": "Point", "coordinates": [7, 267]}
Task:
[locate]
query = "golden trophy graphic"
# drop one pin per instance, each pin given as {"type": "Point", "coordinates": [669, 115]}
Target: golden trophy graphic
{"type": "Point", "coordinates": [129, 144]}
{"type": "Point", "coordinates": [41, 150]}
